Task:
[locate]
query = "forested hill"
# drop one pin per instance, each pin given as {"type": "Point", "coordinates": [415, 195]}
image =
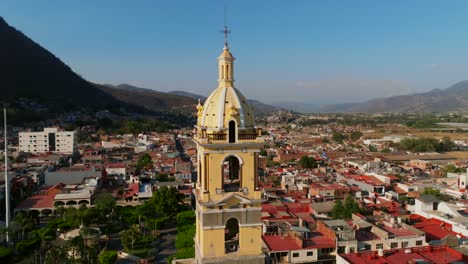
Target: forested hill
{"type": "Point", "coordinates": [30, 71]}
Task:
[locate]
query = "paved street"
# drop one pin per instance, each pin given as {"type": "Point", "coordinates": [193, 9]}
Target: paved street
{"type": "Point", "coordinates": [167, 246]}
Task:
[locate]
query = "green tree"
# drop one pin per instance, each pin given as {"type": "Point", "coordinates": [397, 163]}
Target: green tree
{"type": "Point", "coordinates": [446, 144]}
{"type": "Point", "coordinates": [42, 237]}
{"type": "Point", "coordinates": [345, 211]}
{"type": "Point", "coordinates": [104, 206]}
{"type": "Point", "coordinates": [57, 255]}
{"type": "Point", "coordinates": [355, 135]}
{"type": "Point", "coordinates": [351, 206]}
{"type": "Point", "coordinates": [24, 223]}
{"type": "Point", "coordinates": [307, 162]}
{"type": "Point", "coordinates": [162, 177]}
{"type": "Point", "coordinates": [432, 191]}
{"type": "Point", "coordinates": [185, 218]}
{"type": "Point", "coordinates": [338, 209]}
{"type": "Point", "coordinates": [144, 161]}
{"type": "Point", "coordinates": [130, 236]}
{"type": "Point", "coordinates": [338, 137]}
{"type": "Point", "coordinates": [452, 169]}
{"type": "Point", "coordinates": [77, 247]}
{"type": "Point", "coordinates": [167, 201]}
{"type": "Point", "coordinates": [108, 257]}
{"type": "Point", "coordinates": [185, 234]}
{"type": "Point", "coordinates": [419, 144]}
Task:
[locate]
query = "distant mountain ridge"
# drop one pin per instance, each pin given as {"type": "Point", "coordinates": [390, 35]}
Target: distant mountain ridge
{"type": "Point", "coordinates": [259, 107]}
{"type": "Point", "coordinates": [452, 99]}
{"type": "Point", "coordinates": [180, 101]}
{"type": "Point", "coordinates": [38, 85]}
{"type": "Point", "coordinates": [150, 99]}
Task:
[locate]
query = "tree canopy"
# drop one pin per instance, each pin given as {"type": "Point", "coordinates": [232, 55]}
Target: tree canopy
{"type": "Point", "coordinates": [338, 137]}
{"type": "Point", "coordinates": [167, 201]}
{"type": "Point", "coordinates": [345, 210]}
{"type": "Point", "coordinates": [355, 135]}
{"type": "Point", "coordinates": [144, 161]}
{"type": "Point", "coordinates": [307, 162]}
{"type": "Point", "coordinates": [426, 144]}
{"type": "Point", "coordinates": [108, 257]}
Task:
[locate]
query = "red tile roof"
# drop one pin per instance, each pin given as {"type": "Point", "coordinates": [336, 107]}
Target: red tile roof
{"type": "Point", "coordinates": [133, 188]}
{"type": "Point", "coordinates": [43, 200]}
{"type": "Point", "coordinates": [430, 254]}
{"type": "Point", "coordinates": [116, 165]}
{"type": "Point", "coordinates": [278, 243]}
{"type": "Point", "coordinates": [320, 241]}
{"type": "Point", "coordinates": [399, 232]}
{"type": "Point", "coordinates": [435, 229]}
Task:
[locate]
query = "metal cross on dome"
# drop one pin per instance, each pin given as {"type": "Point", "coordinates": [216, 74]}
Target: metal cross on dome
{"type": "Point", "coordinates": [226, 30]}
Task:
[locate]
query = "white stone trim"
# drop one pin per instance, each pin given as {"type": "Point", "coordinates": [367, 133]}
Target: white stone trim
{"type": "Point", "coordinates": [241, 109]}
{"type": "Point", "coordinates": [221, 106]}
{"type": "Point", "coordinates": [250, 225]}
{"type": "Point", "coordinates": [233, 151]}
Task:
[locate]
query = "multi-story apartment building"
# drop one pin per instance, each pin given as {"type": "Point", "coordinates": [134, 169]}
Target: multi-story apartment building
{"type": "Point", "coordinates": [49, 140]}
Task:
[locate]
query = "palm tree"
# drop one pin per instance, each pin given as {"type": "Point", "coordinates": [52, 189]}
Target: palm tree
{"type": "Point", "coordinates": [24, 222]}
{"type": "Point", "coordinates": [42, 236]}
{"type": "Point", "coordinates": [57, 255]}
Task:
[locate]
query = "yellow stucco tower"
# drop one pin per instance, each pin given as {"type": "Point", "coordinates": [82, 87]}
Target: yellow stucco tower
{"type": "Point", "coordinates": [227, 196]}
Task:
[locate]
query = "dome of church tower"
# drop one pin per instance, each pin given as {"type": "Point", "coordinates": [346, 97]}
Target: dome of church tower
{"type": "Point", "coordinates": [226, 103]}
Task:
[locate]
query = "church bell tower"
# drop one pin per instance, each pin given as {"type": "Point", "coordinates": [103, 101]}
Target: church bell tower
{"type": "Point", "coordinates": [227, 196]}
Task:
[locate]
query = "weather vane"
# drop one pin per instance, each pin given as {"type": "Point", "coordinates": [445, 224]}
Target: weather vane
{"type": "Point", "coordinates": [226, 30]}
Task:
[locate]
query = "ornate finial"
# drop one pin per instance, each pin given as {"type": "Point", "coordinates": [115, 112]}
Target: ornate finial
{"type": "Point", "coordinates": [233, 110]}
{"type": "Point", "coordinates": [199, 108]}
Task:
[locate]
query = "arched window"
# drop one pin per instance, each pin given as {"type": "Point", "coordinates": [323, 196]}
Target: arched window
{"type": "Point", "coordinates": [227, 72]}
{"type": "Point", "coordinates": [231, 174]}
{"type": "Point", "coordinates": [232, 131]}
{"type": "Point", "coordinates": [231, 235]}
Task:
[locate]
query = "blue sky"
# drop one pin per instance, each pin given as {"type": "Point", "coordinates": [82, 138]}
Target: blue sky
{"type": "Point", "coordinates": [306, 51]}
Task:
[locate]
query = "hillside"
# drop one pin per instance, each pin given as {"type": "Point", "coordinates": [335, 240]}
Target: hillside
{"type": "Point", "coordinates": [150, 99]}
{"type": "Point", "coordinates": [259, 107]}
{"type": "Point", "coordinates": [30, 71]}
{"type": "Point", "coordinates": [454, 98]}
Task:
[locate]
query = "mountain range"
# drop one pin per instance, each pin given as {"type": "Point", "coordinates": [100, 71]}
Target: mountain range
{"type": "Point", "coordinates": [451, 99]}
{"type": "Point", "coordinates": [32, 74]}
{"type": "Point", "coordinates": [38, 84]}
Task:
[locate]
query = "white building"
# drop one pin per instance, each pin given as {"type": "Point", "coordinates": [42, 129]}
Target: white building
{"type": "Point", "coordinates": [50, 140]}
{"type": "Point", "coordinates": [430, 207]}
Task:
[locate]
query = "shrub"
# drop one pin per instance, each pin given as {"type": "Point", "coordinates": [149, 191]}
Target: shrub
{"type": "Point", "coordinates": [108, 257]}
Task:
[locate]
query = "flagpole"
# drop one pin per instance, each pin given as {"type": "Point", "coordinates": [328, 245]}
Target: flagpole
{"type": "Point", "coordinates": [7, 182]}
